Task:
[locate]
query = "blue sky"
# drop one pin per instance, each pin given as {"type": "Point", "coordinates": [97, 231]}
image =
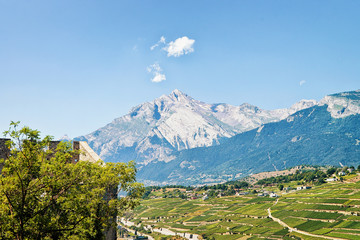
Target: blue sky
{"type": "Point", "coordinates": [73, 66]}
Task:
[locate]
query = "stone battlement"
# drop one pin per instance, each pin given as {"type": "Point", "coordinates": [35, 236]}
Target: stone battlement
{"type": "Point", "coordinates": [86, 152]}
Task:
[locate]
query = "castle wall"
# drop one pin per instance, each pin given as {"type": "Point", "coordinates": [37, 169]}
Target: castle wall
{"type": "Point", "coordinates": [4, 150]}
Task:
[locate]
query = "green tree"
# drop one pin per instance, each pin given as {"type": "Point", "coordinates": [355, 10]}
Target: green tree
{"type": "Point", "coordinates": [212, 193]}
{"type": "Point", "coordinates": [45, 196]}
{"type": "Point", "coordinates": [330, 171]}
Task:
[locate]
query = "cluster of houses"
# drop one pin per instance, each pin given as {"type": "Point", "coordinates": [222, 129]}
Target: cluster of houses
{"type": "Point", "coordinates": [342, 173]}
{"type": "Point", "coordinates": [242, 193]}
{"type": "Point", "coordinates": [266, 193]}
{"type": "Point", "coordinates": [303, 187]}
{"type": "Point", "coordinates": [192, 195]}
{"type": "Point", "coordinates": [346, 170]}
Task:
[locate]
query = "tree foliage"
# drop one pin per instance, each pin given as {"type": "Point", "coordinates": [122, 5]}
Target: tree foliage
{"type": "Point", "coordinates": [45, 196]}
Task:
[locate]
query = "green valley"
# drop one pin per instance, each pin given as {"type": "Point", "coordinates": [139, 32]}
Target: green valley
{"type": "Point", "coordinates": [324, 211]}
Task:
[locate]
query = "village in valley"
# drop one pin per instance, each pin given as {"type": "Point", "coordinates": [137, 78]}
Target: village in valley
{"type": "Point", "coordinates": [180, 120]}
{"type": "Point", "coordinates": [239, 208]}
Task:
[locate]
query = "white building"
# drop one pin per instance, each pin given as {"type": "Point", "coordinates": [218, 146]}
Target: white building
{"type": "Point", "coordinates": [274, 195]}
{"type": "Point", "coordinates": [331, 179]}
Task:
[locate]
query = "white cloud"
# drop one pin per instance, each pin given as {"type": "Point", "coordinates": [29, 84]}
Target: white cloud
{"type": "Point", "coordinates": [156, 70]}
{"type": "Point", "coordinates": [161, 41]}
{"type": "Point", "coordinates": [158, 77]}
{"type": "Point", "coordinates": [302, 82]}
{"type": "Point", "coordinates": [179, 47]}
{"type": "Point", "coordinates": [154, 46]}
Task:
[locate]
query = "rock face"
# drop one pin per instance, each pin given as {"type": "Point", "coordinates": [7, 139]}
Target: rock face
{"type": "Point", "coordinates": [157, 130]}
{"type": "Point", "coordinates": [177, 139]}
{"type": "Point", "coordinates": [342, 104]}
{"type": "Point", "coordinates": [325, 134]}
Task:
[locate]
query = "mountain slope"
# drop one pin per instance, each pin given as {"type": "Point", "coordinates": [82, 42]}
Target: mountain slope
{"type": "Point", "coordinates": [327, 133]}
{"type": "Point", "coordinates": [157, 130]}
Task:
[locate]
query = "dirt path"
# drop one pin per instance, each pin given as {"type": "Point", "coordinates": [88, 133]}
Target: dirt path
{"type": "Point", "coordinates": [294, 229]}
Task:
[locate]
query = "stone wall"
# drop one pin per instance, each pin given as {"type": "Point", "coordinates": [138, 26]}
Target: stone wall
{"type": "Point", "coordinates": [87, 153]}
{"type": "Point", "coordinates": [76, 146]}
{"type": "Point", "coordinates": [4, 150]}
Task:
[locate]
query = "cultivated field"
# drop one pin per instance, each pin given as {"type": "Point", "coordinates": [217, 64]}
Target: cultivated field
{"type": "Point", "coordinates": [218, 218]}
{"type": "Point", "coordinates": [331, 210]}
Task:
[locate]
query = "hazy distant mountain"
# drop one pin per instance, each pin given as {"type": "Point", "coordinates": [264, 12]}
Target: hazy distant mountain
{"type": "Point", "coordinates": [157, 130]}
{"type": "Point", "coordinates": [323, 134]}
{"type": "Point", "coordinates": [64, 138]}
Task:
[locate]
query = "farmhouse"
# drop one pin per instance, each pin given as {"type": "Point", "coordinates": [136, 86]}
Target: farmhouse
{"type": "Point", "coordinates": [331, 179]}
{"type": "Point", "coordinates": [274, 195]}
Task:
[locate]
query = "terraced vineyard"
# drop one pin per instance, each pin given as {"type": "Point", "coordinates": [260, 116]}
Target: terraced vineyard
{"type": "Point", "coordinates": [219, 218]}
{"type": "Point", "coordinates": [331, 210]}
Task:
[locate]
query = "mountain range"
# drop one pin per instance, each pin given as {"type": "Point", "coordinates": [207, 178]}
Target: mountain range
{"type": "Point", "coordinates": [177, 139]}
{"type": "Point", "coordinates": [153, 131]}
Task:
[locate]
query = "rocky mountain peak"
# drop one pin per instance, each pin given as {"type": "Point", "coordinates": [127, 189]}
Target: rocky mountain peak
{"type": "Point", "coordinates": [342, 104]}
{"type": "Point", "coordinates": [152, 131]}
{"type": "Point", "coordinates": [179, 96]}
{"type": "Point", "coordinates": [65, 138]}
{"type": "Point", "coordinates": [302, 104]}
{"type": "Point", "coordinates": [178, 92]}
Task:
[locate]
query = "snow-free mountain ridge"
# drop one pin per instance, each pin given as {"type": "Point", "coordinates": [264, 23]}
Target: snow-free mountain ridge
{"type": "Point", "coordinates": [178, 139]}
{"type": "Point", "coordinates": [154, 131]}
{"type": "Point", "coordinates": [325, 134]}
